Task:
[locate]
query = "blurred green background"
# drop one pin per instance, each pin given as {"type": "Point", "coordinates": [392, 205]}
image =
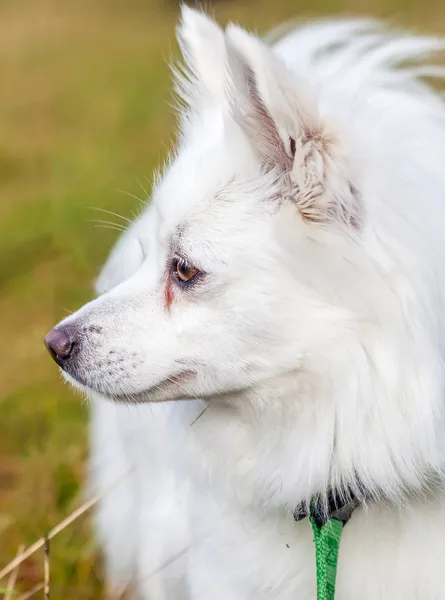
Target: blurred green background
{"type": "Point", "coordinates": [84, 113]}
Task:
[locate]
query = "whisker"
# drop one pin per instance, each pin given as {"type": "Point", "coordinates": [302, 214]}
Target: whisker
{"type": "Point", "coordinates": [110, 212]}
{"type": "Point", "coordinates": [143, 189]}
{"type": "Point", "coordinates": [101, 222]}
{"type": "Point", "coordinates": [130, 195]}
{"type": "Point", "coordinates": [109, 227]}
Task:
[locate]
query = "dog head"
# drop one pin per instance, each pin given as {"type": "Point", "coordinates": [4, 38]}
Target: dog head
{"type": "Point", "coordinates": [266, 252]}
{"type": "Point", "coordinates": [213, 294]}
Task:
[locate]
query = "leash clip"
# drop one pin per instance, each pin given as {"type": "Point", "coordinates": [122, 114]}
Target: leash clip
{"type": "Point", "coordinates": [336, 506]}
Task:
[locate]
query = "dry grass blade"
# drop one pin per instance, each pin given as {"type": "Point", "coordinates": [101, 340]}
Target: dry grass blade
{"type": "Point", "coordinates": [46, 568]}
{"type": "Point", "coordinates": [61, 526]}
{"type": "Point", "coordinates": [32, 592]}
{"type": "Point", "coordinates": [13, 577]}
{"type": "Point", "coordinates": [168, 562]}
{"type": "Point", "coordinates": [199, 416]}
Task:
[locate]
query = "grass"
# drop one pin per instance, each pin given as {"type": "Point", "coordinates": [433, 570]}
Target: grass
{"type": "Point", "coordinates": [83, 113]}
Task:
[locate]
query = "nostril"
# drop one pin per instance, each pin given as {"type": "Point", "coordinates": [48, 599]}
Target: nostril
{"type": "Point", "coordinates": [59, 344]}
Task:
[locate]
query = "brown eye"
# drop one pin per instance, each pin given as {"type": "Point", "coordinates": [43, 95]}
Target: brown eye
{"type": "Point", "coordinates": [184, 271]}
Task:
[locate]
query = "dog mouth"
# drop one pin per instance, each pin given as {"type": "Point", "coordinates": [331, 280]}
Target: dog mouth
{"type": "Point", "coordinates": [133, 397]}
{"type": "Point", "coordinates": [162, 386]}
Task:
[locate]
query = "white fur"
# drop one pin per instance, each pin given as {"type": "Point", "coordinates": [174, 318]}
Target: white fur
{"type": "Point", "coordinates": [309, 186]}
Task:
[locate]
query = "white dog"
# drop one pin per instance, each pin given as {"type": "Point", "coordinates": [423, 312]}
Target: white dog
{"type": "Point", "coordinates": [289, 272]}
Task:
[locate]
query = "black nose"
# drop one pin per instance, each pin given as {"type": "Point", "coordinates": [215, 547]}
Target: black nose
{"type": "Point", "coordinates": [60, 344]}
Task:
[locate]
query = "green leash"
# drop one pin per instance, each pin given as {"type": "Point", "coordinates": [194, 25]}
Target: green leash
{"type": "Point", "coordinates": [327, 520]}
{"type": "Point", "coordinates": [327, 544]}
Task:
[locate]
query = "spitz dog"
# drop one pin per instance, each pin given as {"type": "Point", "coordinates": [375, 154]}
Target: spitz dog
{"type": "Point", "coordinates": [272, 328]}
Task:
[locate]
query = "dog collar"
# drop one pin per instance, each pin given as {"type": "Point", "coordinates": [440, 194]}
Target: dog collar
{"type": "Point", "coordinates": [336, 506]}
{"type": "Point", "coordinates": [328, 519]}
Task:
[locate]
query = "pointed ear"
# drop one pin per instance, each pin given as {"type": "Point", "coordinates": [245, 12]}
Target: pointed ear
{"type": "Point", "coordinates": [265, 99]}
{"type": "Point", "coordinates": [279, 114]}
{"type": "Point", "coordinates": [202, 44]}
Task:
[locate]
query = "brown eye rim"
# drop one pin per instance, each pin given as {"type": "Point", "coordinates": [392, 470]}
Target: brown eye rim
{"type": "Point", "coordinates": [183, 271]}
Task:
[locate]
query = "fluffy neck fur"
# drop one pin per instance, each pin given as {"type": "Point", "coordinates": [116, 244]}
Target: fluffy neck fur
{"type": "Point", "coordinates": [311, 430]}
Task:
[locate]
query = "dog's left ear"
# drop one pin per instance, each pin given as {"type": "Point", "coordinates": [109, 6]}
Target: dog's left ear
{"type": "Point", "coordinates": [279, 114]}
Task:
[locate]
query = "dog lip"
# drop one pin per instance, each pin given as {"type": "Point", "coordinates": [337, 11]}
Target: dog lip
{"type": "Point", "coordinates": [179, 378]}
